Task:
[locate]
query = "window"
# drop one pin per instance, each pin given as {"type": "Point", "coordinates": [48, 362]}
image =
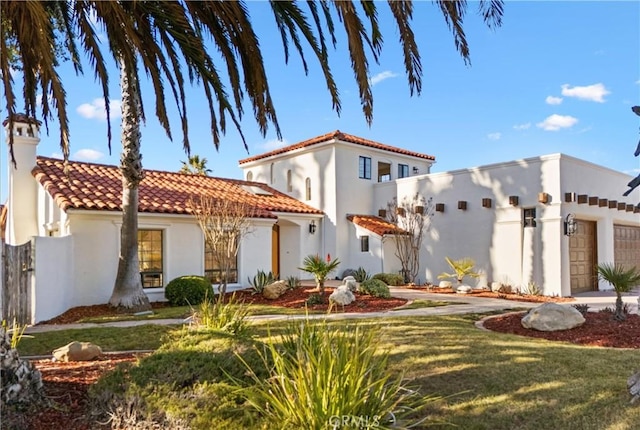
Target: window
{"type": "Point", "coordinates": [403, 170]}
{"type": "Point", "coordinates": [307, 187]}
{"type": "Point", "coordinates": [249, 176]}
{"type": "Point", "coordinates": [364, 243]}
{"type": "Point", "coordinates": [212, 270]}
{"type": "Point", "coordinates": [364, 168]}
{"type": "Point", "coordinates": [289, 183]}
{"type": "Point", "coordinates": [150, 253]}
{"type": "Point", "coordinates": [384, 172]}
{"type": "Point", "coordinates": [529, 217]}
{"type": "Point", "coordinates": [272, 178]}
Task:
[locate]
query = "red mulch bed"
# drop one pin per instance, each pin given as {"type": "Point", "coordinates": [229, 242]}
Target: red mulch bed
{"type": "Point", "coordinates": [490, 294]}
{"type": "Point", "coordinates": [599, 329]}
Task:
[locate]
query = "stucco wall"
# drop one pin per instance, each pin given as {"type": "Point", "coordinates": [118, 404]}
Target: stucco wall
{"type": "Point", "coordinates": [54, 271]}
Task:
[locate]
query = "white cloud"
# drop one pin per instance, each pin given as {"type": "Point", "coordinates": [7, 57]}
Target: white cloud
{"type": "Point", "coordinates": [56, 154]}
{"type": "Point", "coordinates": [555, 122]}
{"type": "Point", "coordinates": [96, 110]}
{"type": "Point", "coordinates": [88, 155]}
{"type": "Point", "coordinates": [494, 136]}
{"type": "Point", "coordinates": [551, 100]}
{"type": "Point", "coordinates": [521, 127]}
{"type": "Point", "coordinates": [272, 144]}
{"type": "Point", "coordinates": [376, 79]}
{"type": "Point", "coordinates": [594, 93]}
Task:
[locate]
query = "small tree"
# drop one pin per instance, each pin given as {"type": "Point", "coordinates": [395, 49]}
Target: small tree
{"type": "Point", "coordinates": [319, 268]}
{"type": "Point", "coordinates": [414, 216]}
{"type": "Point", "coordinates": [224, 223]}
{"type": "Point", "coordinates": [622, 280]}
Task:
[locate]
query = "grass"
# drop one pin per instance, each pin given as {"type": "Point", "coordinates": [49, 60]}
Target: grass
{"type": "Point", "coordinates": [420, 304]}
{"type": "Point", "coordinates": [487, 380]}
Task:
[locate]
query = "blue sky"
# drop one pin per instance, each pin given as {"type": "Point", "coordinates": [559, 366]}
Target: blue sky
{"type": "Point", "coordinates": [556, 77]}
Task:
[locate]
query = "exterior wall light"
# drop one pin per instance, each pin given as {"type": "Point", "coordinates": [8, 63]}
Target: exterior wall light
{"type": "Point", "coordinates": [570, 225]}
{"type": "Point", "coordinates": [312, 227]}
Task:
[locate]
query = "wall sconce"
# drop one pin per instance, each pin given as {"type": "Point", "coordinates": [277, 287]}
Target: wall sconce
{"type": "Point", "coordinates": [570, 225]}
{"type": "Point", "coordinates": [486, 203]}
{"type": "Point", "coordinates": [514, 200]}
{"type": "Point", "coordinates": [569, 197]}
{"type": "Point", "coordinates": [439, 207]}
{"type": "Point", "coordinates": [415, 170]}
{"type": "Point", "coordinates": [462, 205]}
{"type": "Point", "coordinates": [312, 227]}
{"type": "Point", "coordinates": [543, 198]}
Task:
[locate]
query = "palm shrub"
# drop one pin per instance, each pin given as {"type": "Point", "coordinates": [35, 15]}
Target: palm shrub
{"type": "Point", "coordinates": [461, 269]}
{"type": "Point", "coordinates": [622, 280]}
{"type": "Point", "coordinates": [187, 290]}
{"type": "Point", "coordinates": [375, 287]}
{"type": "Point", "coordinates": [320, 373]}
{"type": "Point", "coordinates": [319, 268]}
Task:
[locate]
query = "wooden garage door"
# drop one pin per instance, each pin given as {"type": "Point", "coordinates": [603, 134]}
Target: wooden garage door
{"type": "Point", "coordinates": [626, 245]}
{"type": "Point", "coordinates": [583, 258]}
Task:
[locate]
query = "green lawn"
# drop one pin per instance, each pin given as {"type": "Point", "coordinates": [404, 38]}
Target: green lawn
{"type": "Point", "coordinates": [488, 380]}
{"type": "Point", "coordinates": [419, 304]}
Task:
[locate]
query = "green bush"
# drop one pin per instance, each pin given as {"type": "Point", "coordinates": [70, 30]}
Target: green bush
{"type": "Point", "coordinates": [390, 278]}
{"type": "Point", "coordinates": [187, 290]}
{"type": "Point", "coordinates": [376, 288]}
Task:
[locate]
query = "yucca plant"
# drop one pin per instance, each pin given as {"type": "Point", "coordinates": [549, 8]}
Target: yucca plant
{"type": "Point", "coordinates": [622, 280]}
{"type": "Point", "coordinates": [319, 268]}
{"type": "Point", "coordinates": [261, 280]}
{"type": "Point", "coordinates": [320, 373]}
{"type": "Point", "coordinates": [461, 269]}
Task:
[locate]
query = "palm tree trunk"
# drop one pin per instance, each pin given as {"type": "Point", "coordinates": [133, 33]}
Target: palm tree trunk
{"type": "Point", "coordinates": [127, 291]}
{"type": "Point", "coordinates": [320, 285]}
{"type": "Point", "coordinates": [619, 316]}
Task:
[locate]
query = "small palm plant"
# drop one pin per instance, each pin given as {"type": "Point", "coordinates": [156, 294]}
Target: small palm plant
{"type": "Point", "coordinates": [622, 280]}
{"type": "Point", "coordinates": [461, 268]}
{"type": "Point", "coordinates": [319, 268]}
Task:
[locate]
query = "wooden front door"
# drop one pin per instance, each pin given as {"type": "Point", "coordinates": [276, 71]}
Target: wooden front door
{"type": "Point", "coordinates": [583, 257]}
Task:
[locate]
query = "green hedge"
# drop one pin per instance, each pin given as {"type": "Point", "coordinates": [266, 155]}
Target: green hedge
{"type": "Point", "coordinates": [390, 278]}
{"type": "Point", "coordinates": [188, 290]}
{"type": "Point", "coordinates": [375, 288]}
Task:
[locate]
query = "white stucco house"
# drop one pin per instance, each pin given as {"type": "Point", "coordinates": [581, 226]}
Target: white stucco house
{"type": "Point", "coordinates": [321, 196]}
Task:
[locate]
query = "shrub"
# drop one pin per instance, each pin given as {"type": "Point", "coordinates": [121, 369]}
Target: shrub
{"type": "Point", "coordinates": [229, 316]}
{"type": "Point", "coordinates": [534, 289]}
{"type": "Point", "coordinates": [315, 299]}
{"type": "Point", "coordinates": [583, 308]}
{"type": "Point", "coordinates": [187, 290]}
{"type": "Point", "coordinates": [292, 282]}
{"type": "Point", "coordinates": [376, 288]}
{"type": "Point", "coordinates": [261, 280]}
{"type": "Point", "coordinates": [390, 278]}
{"type": "Point", "coordinates": [361, 274]}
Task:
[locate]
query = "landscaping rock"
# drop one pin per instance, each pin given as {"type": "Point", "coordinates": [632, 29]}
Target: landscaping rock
{"type": "Point", "coordinates": [348, 278]}
{"type": "Point", "coordinates": [463, 289]}
{"type": "Point", "coordinates": [351, 284]}
{"type": "Point", "coordinates": [552, 317]}
{"type": "Point", "coordinates": [342, 296]}
{"type": "Point", "coordinates": [496, 286]}
{"type": "Point", "coordinates": [274, 290]}
{"type": "Point", "coordinates": [444, 284]}
{"type": "Point", "coordinates": [77, 351]}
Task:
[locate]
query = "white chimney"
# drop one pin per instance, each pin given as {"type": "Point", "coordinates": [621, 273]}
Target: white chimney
{"type": "Point", "coordinates": [22, 203]}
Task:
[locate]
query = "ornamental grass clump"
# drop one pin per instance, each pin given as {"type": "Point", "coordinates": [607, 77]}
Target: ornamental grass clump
{"type": "Point", "coordinates": [228, 315]}
{"type": "Point", "coordinates": [322, 375]}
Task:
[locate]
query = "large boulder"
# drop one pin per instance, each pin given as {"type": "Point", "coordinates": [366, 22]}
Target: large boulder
{"type": "Point", "coordinates": [275, 290]}
{"type": "Point", "coordinates": [445, 284]}
{"type": "Point", "coordinates": [342, 296]}
{"type": "Point", "coordinates": [77, 351]}
{"type": "Point", "coordinates": [552, 317]}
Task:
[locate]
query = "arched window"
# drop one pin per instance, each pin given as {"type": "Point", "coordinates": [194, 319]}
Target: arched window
{"type": "Point", "coordinates": [249, 176]}
{"type": "Point", "coordinates": [271, 174]}
{"type": "Point", "coordinates": [289, 184]}
{"type": "Point", "coordinates": [307, 185]}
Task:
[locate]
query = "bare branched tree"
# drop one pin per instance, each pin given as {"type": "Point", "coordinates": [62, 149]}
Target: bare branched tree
{"type": "Point", "coordinates": [414, 216]}
{"type": "Point", "coordinates": [224, 223]}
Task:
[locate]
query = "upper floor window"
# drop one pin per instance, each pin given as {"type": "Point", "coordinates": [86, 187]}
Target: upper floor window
{"type": "Point", "coordinates": [307, 187]}
{"type": "Point", "coordinates": [384, 171]}
{"type": "Point", "coordinates": [364, 168]}
{"type": "Point", "coordinates": [364, 243]}
{"type": "Point", "coordinates": [403, 170]}
{"type": "Point", "coordinates": [150, 256]}
{"type": "Point", "coordinates": [289, 181]}
{"type": "Point", "coordinates": [250, 176]}
{"type": "Point", "coordinates": [272, 178]}
{"type": "Point", "coordinates": [529, 215]}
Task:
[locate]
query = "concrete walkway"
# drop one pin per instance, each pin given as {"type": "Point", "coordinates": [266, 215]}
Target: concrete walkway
{"type": "Point", "coordinates": [461, 304]}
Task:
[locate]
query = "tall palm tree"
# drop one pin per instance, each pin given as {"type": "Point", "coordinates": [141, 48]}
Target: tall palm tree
{"type": "Point", "coordinates": [164, 38]}
{"type": "Point", "coordinates": [195, 166]}
{"type": "Point", "coordinates": [623, 280]}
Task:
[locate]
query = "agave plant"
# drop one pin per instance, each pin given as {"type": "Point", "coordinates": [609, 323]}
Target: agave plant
{"type": "Point", "coordinates": [319, 268]}
{"type": "Point", "coordinates": [461, 269]}
{"type": "Point", "coordinates": [622, 280]}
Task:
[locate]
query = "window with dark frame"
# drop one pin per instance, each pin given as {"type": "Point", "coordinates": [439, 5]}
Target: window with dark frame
{"type": "Point", "coordinates": [212, 270]}
{"type": "Point", "coordinates": [403, 170]}
{"type": "Point", "coordinates": [384, 171]}
{"type": "Point", "coordinates": [150, 256]}
{"type": "Point", "coordinates": [529, 215]}
{"type": "Point", "coordinates": [364, 167]}
{"type": "Point", "coordinates": [289, 181]}
{"type": "Point", "coordinates": [364, 243]}
{"type": "Point", "coordinates": [307, 187]}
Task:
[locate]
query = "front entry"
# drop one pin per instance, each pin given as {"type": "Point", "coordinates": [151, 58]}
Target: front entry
{"type": "Point", "coordinates": [275, 249]}
{"type": "Point", "coordinates": [583, 257]}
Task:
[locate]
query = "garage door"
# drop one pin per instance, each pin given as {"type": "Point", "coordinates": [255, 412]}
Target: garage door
{"type": "Point", "coordinates": [583, 258]}
{"type": "Point", "coordinates": [626, 245]}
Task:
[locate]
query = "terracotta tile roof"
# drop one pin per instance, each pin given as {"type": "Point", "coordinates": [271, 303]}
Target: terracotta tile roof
{"type": "Point", "coordinates": [98, 187]}
{"type": "Point", "coordinates": [376, 224]}
{"type": "Point", "coordinates": [338, 135]}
